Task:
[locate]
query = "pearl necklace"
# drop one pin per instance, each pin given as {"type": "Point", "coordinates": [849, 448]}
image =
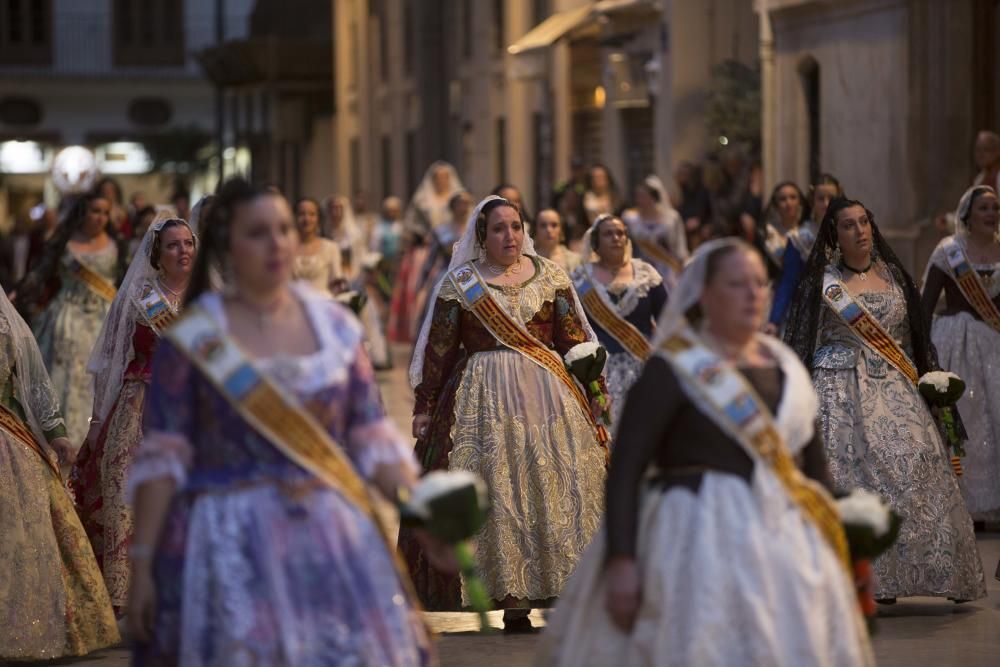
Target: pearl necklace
{"type": "Point", "coordinates": [501, 270]}
{"type": "Point", "coordinates": [177, 296]}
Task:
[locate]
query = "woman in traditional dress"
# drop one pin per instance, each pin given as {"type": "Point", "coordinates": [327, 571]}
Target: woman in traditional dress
{"type": "Point", "coordinates": [549, 235]}
{"type": "Point", "coordinates": [657, 230]}
{"type": "Point", "coordinates": [493, 397]}
{"type": "Point", "coordinates": [85, 258]}
{"type": "Point", "coordinates": [443, 240]}
{"type": "Point", "coordinates": [623, 298]}
{"type": "Point", "coordinates": [717, 550]}
{"type": "Point", "coordinates": [255, 538]}
{"type": "Point", "coordinates": [318, 261]}
{"type": "Point", "coordinates": [147, 302]}
{"type": "Point", "coordinates": [800, 242]}
{"type": "Point", "coordinates": [343, 229]}
{"type": "Point", "coordinates": [966, 267]}
{"type": "Point", "coordinates": [428, 209]}
{"type": "Point", "coordinates": [601, 196]}
{"type": "Point", "coordinates": [858, 325]}
{"type": "Point", "coordinates": [429, 206]}
{"type": "Point", "coordinates": [54, 601]}
{"type": "Point", "coordinates": [786, 210]}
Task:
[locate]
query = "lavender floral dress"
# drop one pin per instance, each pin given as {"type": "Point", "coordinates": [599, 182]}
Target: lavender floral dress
{"type": "Point", "coordinates": [258, 563]}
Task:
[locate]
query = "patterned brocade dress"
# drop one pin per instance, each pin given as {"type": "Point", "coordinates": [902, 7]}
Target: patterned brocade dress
{"type": "Point", "coordinates": [501, 416]}
{"type": "Point", "coordinates": [67, 331]}
{"type": "Point", "coordinates": [258, 562]}
{"type": "Point", "coordinates": [98, 479]}
{"type": "Point", "coordinates": [880, 436]}
{"type": "Point", "coordinates": [54, 603]}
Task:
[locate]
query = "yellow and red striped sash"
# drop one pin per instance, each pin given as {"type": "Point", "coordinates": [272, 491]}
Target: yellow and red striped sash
{"type": "Point", "coordinates": [476, 298]}
{"type": "Point", "coordinates": [865, 326]}
{"type": "Point", "coordinates": [17, 428]}
{"type": "Point", "coordinates": [655, 252]}
{"type": "Point", "coordinates": [275, 415]}
{"type": "Point", "coordinates": [94, 281]}
{"type": "Point", "coordinates": [155, 309]}
{"type": "Point", "coordinates": [970, 284]}
{"type": "Point", "coordinates": [605, 316]}
{"type": "Point", "coordinates": [740, 412]}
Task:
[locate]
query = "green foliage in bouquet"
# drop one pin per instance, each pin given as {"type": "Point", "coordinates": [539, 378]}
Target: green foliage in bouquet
{"type": "Point", "coordinates": [864, 542]}
{"type": "Point", "coordinates": [942, 390]}
{"type": "Point", "coordinates": [586, 362]}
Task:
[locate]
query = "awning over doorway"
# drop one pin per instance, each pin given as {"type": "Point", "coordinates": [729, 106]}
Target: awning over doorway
{"type": "Point", "coordinates": [552, 29]}
{"type": "Point", "coordinates": [560, 24]}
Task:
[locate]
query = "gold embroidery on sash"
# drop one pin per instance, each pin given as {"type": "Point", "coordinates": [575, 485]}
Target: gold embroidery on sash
{"type": "Point", "coordinates": [94, 281]}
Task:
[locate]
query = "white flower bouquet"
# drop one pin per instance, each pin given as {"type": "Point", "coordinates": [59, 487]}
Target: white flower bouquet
{"type": "Point", "coordinates": [586, 363]}
{"type": "Point", "coordinates": [452, 506]}
{"type": "Point", "coordinates": [871, 527]}
{"type": "Point", "coordinates": [942, 390]}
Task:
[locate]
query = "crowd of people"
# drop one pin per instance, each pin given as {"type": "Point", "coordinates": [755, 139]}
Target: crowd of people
{"type": "Point", "coordinates": [190, 426]}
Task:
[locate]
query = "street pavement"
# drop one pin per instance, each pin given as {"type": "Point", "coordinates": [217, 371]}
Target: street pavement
{"type": "Point", "coordinates": [916, 632]}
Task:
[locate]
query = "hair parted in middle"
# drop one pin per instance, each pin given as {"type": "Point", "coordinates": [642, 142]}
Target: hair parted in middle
{"type": "Point", "coordinates": [484, 215]}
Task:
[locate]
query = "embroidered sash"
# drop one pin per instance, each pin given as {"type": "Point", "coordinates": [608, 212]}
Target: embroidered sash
{"type": "Point", "coordinates": [657, 253]}
{"type": "Point", "coordinates": [865, 326]}
{"type": "Point", "coordinates": [608, 318]}
{"type": "Point", "coordinates": [275, 415]}
{"type": "Point", "coordinates": [970, 284]}
{"type": "Point", "coordinates": [475, 297]}
{"type": "Point", "coordinates": [155, 309]}
{"type": "Point", "coordinates": [17, 428]}
{"type": "Point", "coordinates": [94, 281]}
{"type": "Point", "coordinates": [739, 411]}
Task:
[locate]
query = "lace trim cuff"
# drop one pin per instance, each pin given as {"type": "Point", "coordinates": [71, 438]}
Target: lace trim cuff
{"type": "Point", "coordinates": [379, 443]}
{"type": "Point", "coordinates": [161, 456]}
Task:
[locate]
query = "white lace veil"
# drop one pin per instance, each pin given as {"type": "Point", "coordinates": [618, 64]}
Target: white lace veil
{"type": "Point", "coordinates": [419, 210]}
{"type": "Point", "coordinates": [466, 249]}
{"type": "Point", "coordinates": [587, 251]}
{"type": "Point", "coordinates": [113, 351]}
{"type": "Point", "coordinates": [664, 205]}
{"type": "Point", "coordinates": [19, 354]}
{"type": "Point", "coordinates": [347, 235]}
{"type": "Point", "coordinates": [687, 293]}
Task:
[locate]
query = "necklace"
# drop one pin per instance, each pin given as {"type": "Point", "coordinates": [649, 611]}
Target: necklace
{"type": "Point", "coordinates": [861, 273]}
{"type": "Point", "coordinates": [265, 316]}
{"type": "Point", "coordinates": [501, 270]}
{"type": "Point", "coordinates": [177, 295]}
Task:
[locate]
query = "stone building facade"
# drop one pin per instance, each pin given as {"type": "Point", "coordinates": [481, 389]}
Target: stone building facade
{"type": "Point", "coordinates": [885, 94]}
{"type": "Point", "coordinates": [512, 90]}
